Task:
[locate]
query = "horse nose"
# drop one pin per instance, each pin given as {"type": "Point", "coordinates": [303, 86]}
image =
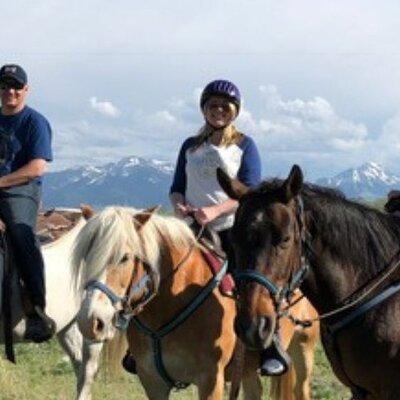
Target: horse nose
{"type": "Point", "coordinates": [266, 327]}
{"type": "Point", "coordinates": [98, 326]}
{"type": "Point", "coordinates": [256, 333]}
{"type": "Point", "coordinates": [92, 328]}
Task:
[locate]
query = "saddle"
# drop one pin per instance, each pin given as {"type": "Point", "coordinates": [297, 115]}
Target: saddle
{"type": "Point", "coordinates": [214, 255]}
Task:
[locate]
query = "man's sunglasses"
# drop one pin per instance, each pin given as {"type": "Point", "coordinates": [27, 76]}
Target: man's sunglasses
{"type": "Point", "coordinates": [11, 85]}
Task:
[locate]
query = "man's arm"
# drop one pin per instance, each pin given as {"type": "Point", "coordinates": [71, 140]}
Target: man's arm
{"type": "Point", "coordinates": [26, 173]}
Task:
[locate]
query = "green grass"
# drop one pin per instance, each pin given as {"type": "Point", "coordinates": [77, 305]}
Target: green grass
{"type": "Point", "coordinates": [43, 372]}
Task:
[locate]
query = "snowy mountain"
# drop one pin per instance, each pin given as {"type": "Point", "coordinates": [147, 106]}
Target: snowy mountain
{"type": "Point", "coordinates": [139, 182]}
{"type": "Point", "coordinates": [132, 181]}
{"type": "Point", "coordinates": [368, 181]}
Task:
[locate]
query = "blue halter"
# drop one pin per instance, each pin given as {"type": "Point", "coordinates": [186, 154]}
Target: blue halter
{"type": "Point", "coordinates": [124, 316]}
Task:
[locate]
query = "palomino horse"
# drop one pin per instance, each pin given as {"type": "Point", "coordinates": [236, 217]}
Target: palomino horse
{"type": "Point", "coordinates": [63, 302]}
{"type": "Point", "coordinates": [353, 256]}
{"type": "Point", "coordinates": [137, 262]}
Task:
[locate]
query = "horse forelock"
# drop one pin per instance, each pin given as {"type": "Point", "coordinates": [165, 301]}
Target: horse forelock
{"type": "Point", "coordinates": [105, 238]}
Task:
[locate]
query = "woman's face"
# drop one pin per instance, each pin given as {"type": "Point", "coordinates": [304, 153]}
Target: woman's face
{"type": "Point", "coordinates": [219, 112]}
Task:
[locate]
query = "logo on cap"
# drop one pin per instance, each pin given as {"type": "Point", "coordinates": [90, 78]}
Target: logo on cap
{"type": "Point", "coordinates": [12, 69]}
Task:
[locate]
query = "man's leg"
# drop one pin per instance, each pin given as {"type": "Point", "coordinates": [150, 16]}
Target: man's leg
{"type": "Point", "coordinates": [19, 207]}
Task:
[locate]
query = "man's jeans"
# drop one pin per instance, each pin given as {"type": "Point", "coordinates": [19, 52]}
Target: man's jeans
{"type": "Point", "coordinates": [19, 207]}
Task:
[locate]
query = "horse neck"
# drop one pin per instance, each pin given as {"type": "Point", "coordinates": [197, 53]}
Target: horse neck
{"type": "Point", "coordinates": [182, 274]}
{"type": "Point", "coordinates": [328, 282]}
{"type": "Point", "coordinates": [339, 267]}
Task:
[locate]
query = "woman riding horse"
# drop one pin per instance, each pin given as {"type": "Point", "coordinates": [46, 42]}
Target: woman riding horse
{"type": "Point", "coordinates": [195, 190]}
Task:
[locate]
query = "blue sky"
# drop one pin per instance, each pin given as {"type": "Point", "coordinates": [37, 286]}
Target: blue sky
{"type": "Point", "coordinates": [320, 79]}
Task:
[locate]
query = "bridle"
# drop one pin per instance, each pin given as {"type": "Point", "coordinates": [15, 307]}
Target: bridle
{"type": "Point", "coordinates": [149, 283]}
{"type": "Point", "coordinates": [282, 295]}
{"type": "Point", "coordinates": [126, 307]}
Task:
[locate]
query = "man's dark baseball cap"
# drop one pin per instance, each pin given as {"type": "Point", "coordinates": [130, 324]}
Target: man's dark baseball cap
{"type": "Point", "coordinates": [13, 71]}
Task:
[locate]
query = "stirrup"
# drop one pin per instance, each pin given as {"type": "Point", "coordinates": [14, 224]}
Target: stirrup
{"type": "Point", "coordinates": [128, 363]}
{"type": "Point", "coordinates": [275, 360]}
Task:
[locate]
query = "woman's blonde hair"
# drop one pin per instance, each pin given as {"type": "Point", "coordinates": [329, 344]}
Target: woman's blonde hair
{"type": "Point", "coordinates": [231, 135]}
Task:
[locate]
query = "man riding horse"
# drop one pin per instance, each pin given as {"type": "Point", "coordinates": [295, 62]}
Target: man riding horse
{"type": "Point", "coordinates": [25, 150]}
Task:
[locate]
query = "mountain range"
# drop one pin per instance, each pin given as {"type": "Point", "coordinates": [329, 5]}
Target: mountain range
{"type": "Point", "coordinates": [369, 181]}
{"type": "Point", "coordinates": [132, 181]}
{"type": "Point", "coordinates": [140, 182]}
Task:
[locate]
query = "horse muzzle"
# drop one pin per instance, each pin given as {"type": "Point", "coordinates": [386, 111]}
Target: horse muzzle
{"type": "Point", "coordinates": [256, 333]}
{"type": "Point", "coordinates": [96, 328]}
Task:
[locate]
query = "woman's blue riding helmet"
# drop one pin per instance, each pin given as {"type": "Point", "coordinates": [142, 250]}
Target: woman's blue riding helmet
{"type": "Point", "coordinates": [224, 88]}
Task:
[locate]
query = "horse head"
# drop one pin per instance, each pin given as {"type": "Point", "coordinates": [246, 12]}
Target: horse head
{"type": "Point", "coordinates": [109, 265]}
{"type": "Point", "coordinates": [266, 238]}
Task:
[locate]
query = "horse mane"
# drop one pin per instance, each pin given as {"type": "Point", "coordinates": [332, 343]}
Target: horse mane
{"type": "Point", "coordinates": [105, 237]}
{"type": "Point", "coordinates": [355, 233]}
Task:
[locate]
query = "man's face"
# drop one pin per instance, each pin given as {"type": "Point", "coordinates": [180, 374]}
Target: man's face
{"type": "Point", "coordinates": [13, 94]}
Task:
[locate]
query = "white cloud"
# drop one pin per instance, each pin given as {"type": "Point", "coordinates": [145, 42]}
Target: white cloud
{"type": "Point", "coordinates": [307, 131]}
{"type": "Point", "coordinates": [164, 116]}
{"type": "Point", "coordinates": [105, 108]}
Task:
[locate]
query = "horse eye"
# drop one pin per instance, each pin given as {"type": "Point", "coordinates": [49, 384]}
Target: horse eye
{"type": "Point", "coordinates": [124, 259]}
{"type": "Point", "coordinates": [284, 244]}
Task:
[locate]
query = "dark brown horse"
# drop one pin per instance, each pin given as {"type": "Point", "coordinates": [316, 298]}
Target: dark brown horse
{"type": "Point", "coordinates": [352, 252]}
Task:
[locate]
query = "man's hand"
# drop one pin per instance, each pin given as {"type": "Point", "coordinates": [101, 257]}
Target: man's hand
{"type": "Point", "coordinates": [26, 173]}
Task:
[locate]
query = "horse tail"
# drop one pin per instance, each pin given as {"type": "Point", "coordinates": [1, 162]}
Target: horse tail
{"type": "Point", "coordinates": [113, 352]}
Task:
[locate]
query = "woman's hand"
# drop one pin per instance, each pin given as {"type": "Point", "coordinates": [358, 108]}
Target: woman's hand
{"type": "Point", "coordinates": [183, 210]}
{"type": "Point", "coordinates": [205, 215]}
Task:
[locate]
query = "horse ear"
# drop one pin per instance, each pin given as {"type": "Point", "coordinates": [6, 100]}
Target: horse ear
{"type": "Point", "coordinates": [293, 183]}
{"type": "Point", "coordinates": [232, 187]}
{"type": "Point", "coordinates": [87, 211]}
{"type": "Point", "coordinates": [141, 218]}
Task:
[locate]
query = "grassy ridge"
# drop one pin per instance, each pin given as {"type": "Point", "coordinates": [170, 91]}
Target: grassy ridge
{"type": "Point", "coordinates": [43, 372]}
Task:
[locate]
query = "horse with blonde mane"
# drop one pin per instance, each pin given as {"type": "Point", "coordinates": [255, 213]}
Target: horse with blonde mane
{"type": "Point", "coordinates": [148, 270]}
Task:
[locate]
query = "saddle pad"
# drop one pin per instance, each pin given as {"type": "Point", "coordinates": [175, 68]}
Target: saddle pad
{"type": "Point", "coordinates": [215, 263]}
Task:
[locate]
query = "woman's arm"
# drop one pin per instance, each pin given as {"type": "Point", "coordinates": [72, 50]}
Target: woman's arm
{"type": "Point", "coordinates": [178, 187]}
{"type": "Point", "coordinates": [205, 215]}
{"type": "Point", "coordinates": [178, 201]}
{"type": "Point", "coordinates": [250, 168]}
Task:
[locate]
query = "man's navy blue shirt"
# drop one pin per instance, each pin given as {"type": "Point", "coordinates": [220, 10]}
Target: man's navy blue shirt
{"type": "Point", "coordinates": [23, 137]}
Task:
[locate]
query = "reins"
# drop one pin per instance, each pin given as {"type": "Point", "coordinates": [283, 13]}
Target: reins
{"type": "Point", "coordinates": [185, 257]}
{"type": "Point", "coordinates": [394, 264]}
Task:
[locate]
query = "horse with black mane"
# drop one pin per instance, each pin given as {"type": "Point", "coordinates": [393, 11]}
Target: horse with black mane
{"type": "Point", "coordinates": [345, 258]}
